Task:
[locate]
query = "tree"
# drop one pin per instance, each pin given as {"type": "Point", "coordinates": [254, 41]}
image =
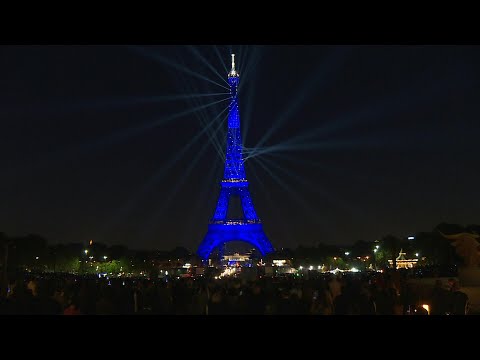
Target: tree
{"type": "Point", "coordinates": [391, 247]}
{"type": "Point", "coordinates": [68, 265]}
{"type": "Point", "coordinates": [361, 248]}
{"type": "Point", "coordinates": [180, 253]}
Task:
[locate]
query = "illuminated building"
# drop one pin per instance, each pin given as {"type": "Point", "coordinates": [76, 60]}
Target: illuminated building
{"type": "Point", "coordinates": [236, 259]}
{"type": "Point", "coordinates": [279, 262]}
{"type": "Point", "coordinates": [222, 229]}
{"type": "Point", "coordinates": [402, 262]}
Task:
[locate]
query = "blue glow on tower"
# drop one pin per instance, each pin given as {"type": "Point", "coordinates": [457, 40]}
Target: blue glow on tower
{"type": "Point", "coordinates": [234, 168]}
{"type": "Point", "coordinates": [234, 183]}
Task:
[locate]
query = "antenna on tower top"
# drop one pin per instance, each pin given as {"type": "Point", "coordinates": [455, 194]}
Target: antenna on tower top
{"type": "Point", "coordinates": [233, 72]}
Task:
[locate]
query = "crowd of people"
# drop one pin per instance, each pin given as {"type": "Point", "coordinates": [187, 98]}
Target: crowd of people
{"type": "Point", "coordinates": [346, 294]}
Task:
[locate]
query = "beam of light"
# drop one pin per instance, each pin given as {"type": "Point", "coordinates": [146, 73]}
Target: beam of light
{"type": "Point", "coordinates": [371, 142]}
{"type": "Point", "coordinates": [173, 191]}
{"type": "Point", "coordinates": [203, 117]}
{"type": "Point", "coordinates": [332, 63]}
{"type": "Point", "coordinates": [280, 182]}
{"type": "Point", "coordinates": [202, 59]}
{"type": "Point", "coordinates": [250, 66]}
{"type": "Point", "coordinates": [311, 212]}
{"type": "Point", "coordinates": [315, 187]}
{"type": "Point", "coordinates": [134, 131]}
{"type": "Point", "coordinates": [293, 194]}
{"type": "Point", "coordinates": [368, 114]}
{"type": "Point", "coordinates": [265, 191]}
{"type": "Point", "coordinates": [241, 59]}
{"type": "Point", "coordinates": [259, 180]}
{"type": "Point", "coordinates": [102, 103]}
{"type": "Point", "coordinates": [166, 61]}
{"type": "Point", "coordinates": [399, 102]}
{"type": "Point", "coordinates": [343, 172]}
{"type": "Point", "coordinates": [108, 140]}
{"type": "Point", "coordinates": [213, 139]}
{"type": "Point", "coordinates": [374, 141]}
{"type": "Point", "coordinates": [247, 118]}
{"type": "Point", "coordinates": [366, 142]}
{"type": "Point", "coordinates": [254, 152]}
{"type": "Point", "coordinates": [221, 59]}
{"type": "Point", "coordinates": [300, 160]}
{"type": "Point", "coordinates": [208, 181]}
{"type": "Point", "coordinates": [336, 201]}
{"type": "Point", "coordinates": [247, 59]}
{"type": "Point", "coordinates": [154, 179]}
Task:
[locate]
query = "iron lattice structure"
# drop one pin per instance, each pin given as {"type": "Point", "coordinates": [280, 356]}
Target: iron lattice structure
{"type": "Point", "coordinates": [222, 229]}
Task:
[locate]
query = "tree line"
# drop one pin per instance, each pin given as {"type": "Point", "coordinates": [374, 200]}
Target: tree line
{"type": "Point", "coordinates": [32, 252]}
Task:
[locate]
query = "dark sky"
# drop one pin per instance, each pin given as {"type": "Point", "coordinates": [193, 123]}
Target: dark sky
{"type": "Point", "coordinates": [99, 142]}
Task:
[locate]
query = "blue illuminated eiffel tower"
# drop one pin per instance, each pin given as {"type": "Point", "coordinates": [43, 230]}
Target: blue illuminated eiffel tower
{"type": "Point", "coordinates": [234, 184]}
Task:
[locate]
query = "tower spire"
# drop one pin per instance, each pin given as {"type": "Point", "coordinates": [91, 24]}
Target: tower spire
{"type": "Point", "coordinates": [233, 72]}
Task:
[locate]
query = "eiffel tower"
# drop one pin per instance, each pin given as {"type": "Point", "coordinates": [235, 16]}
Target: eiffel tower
{"type": "Point", "coordinates": [222, 229]}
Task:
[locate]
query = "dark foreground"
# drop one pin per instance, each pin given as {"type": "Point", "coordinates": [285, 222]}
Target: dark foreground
{"type": "Point", "coordinates": [348, 294]}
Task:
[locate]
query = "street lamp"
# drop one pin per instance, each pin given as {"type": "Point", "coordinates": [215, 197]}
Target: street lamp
{"type": "Point", "coordinates": [86, 251]}
{"type": "Point", "coordinates": [347, 253]}
{"type": "Point", "coordinates": [105, 257]}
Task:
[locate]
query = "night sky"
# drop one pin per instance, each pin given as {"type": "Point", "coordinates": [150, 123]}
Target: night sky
{"type": "Point", "coordinates": [103, 143]}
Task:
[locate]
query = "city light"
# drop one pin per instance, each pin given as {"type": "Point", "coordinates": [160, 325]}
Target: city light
{"type": "Point", "coordinates": [375, 250]}
{"type": "Point", "coordinates": [426, 307]}
{"type": "Point", "coordinates": [416, 254]}
{"type": "Point", "coordinates": [36, 257]}
{"type": "Point", "coordinates": [347, 253]}
{"type": "Point", "coordinates": [411, 238]}
{"type": "Point", "coordinates": [105, 257]}
{"type": "Point", "coordinates": [377, 246]}
{"type": "Point", "coordinates": [86, 251]}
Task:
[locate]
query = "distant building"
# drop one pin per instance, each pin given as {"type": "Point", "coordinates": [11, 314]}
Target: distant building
{"type": "Point", "coordinates": [236, 259]}
{"type": "Point", "coordinates": [402, 262]}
